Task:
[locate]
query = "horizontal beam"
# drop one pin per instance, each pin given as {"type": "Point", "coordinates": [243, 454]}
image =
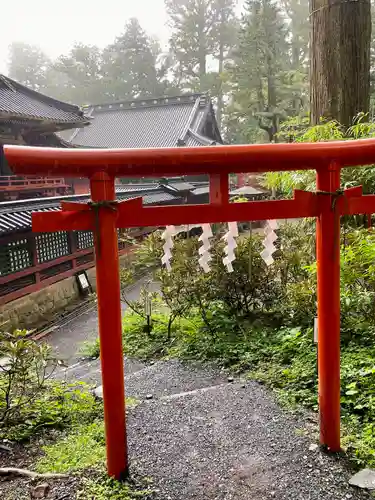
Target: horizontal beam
{"type": "Point", "coordinates": [194, 214]}
{"type": "Point", "coordinates": [49, 222]}
{"type": "Point", "coordinates": [303, 205]}
{"type": "Point", "coordinates": [162, 162]}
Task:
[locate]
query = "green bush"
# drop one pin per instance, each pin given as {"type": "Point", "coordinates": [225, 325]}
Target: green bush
{"type": "Point", "coordinates": [259, 319]}
{"type": "Point", "coordinates": [29, 400]}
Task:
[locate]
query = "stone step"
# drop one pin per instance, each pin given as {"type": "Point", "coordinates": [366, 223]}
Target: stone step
{"type": "Point", "coordinates": [165, 378]}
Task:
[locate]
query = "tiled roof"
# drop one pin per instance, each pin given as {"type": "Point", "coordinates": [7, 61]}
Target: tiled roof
{"type": "Point", "coordinates": [129, 188]}
{"type": "Point", "coordinates": [179, 186]}
{"type": "Point", "coordinates": [201, 190]}
{"type": "Point", "coordinates": [15, 216]}
{"type": "Point", "coordinates": [19, 104]}
{"type": "Point", "coordinates": [145, 123]}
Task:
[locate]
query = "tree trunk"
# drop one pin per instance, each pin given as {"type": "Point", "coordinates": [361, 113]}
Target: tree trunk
{"type": "Point", "coordinates": [340, 59]}
{"type": "Point", "coordinates": [220, 84]}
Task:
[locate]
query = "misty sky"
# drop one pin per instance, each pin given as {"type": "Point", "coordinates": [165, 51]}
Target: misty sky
{"type": "Point", "coordinates": [55, 25]}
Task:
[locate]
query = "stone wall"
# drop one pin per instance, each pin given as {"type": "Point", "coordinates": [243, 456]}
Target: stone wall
{"type": "Point", "coordinates": [38, 308]}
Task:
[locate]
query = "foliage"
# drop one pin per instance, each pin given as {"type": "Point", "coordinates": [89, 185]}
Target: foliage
{"type": "Point", "coordinates": [200, 28]}
{"type": "Point", "coordinates": [79, 450]}
{"type": "Point", "coordinates": [297, 130]}
{"type": "Point", "coordinates": [29, 401]}
{"type": "Point", "coordinates": [268, 80]}
{"type": "Point", "coordinates": [82, 449]}
{"type": "Point", "coordinates": [130, 64]}
{"type": "Point", "coordinates": [29, 65]}
{"type": "Point", "coordinates": [101, 487]}
{"type": "Point", "coordinates": [205, 53]}
{"type": "Point", "coordinates": [260, 320]}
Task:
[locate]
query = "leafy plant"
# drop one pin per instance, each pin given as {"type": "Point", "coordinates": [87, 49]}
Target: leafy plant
{"type": "Point", "coordinates": [80, 449]}
{"type": "Point", "coordinates": [30, 401]}
{"type": "Point", "coordinates": [101, 487]}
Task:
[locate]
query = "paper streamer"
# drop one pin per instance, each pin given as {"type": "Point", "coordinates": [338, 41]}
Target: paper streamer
{"type": "Point", "coordinates": [204, 249]}
{"type": "Point", "coordinates": [268, 242]}
{"type": "Point", "coordinates": [230, 246]}
{"type": "Point", "coordinates": [167, 235]}
{"type": "Point", "coordinates": [171, 231]}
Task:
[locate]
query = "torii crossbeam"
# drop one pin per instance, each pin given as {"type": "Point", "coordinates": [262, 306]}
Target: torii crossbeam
{"type": "Point", "coordinates": [103, 215]}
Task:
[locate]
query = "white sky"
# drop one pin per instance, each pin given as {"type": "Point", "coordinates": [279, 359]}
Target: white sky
{"type": "Point", "coordinates": [55, 25]}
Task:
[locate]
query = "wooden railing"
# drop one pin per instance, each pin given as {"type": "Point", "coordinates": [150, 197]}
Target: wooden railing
{"type": "Point", "coordinates": [18, 183]}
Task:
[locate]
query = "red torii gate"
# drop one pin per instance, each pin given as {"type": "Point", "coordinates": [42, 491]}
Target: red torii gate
{"type": "Point", "coordinates": [103, 215]}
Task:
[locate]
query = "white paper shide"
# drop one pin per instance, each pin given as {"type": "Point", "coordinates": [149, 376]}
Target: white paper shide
{"type": "Point", "coordinates": [230, 238]}
{"type": "Point", "coordinates": [204, 250]}
{"type": "Point", "coordinates": [268, 242]}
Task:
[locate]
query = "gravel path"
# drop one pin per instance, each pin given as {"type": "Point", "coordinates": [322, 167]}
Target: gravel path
{"type": "Point", "coordinates": [227, 441]}
{"type": "Point", "coordinates": [201, 437]}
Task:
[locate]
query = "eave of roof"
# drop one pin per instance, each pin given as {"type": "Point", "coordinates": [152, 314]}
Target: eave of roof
{"type": "Point", "coordinates": [22, 106]}
{"type": "Point", "coordinates": [15, 216]}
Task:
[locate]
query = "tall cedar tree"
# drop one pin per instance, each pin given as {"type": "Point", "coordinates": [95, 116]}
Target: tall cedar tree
{"type": "Point", "coordinates": [80, 75]}
{"type": "Point", "coordinates": [261, 58]}
{"type": "Point", "coordinates": [203, 33]}
{"type": "Point", "coordinates": [340, 59]}
{"type": "Point", "coordinates": [28, 65]}
{"type": "Point", "coordinates": [130, 64]}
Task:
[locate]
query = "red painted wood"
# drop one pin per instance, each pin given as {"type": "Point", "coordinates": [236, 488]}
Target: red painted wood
{"type": "Point", "coordinates": [43, 284]}
{"type": "Point", "coordinates": [65, 221]}
{"type": "Point", "coordinates": [219, 189]}
{"type": "Point", "coordinates": [102, 165]}
{"type": "Point", "coordinates": [328, 265]}
{"type": "Point", "coordinates": [110, 326]}
{"type": "Point", "coordinates": [304, 205]}
{"type": "Point", "coordinates": [41, 267]}
{"type": "Point", "coordinates": [163, 162]}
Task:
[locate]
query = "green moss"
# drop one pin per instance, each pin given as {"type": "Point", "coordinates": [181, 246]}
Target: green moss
{"type": "Point", "coordinates": [79, 450]}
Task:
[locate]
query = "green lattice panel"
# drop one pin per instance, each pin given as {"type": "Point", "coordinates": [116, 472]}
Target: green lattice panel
{"type": "Point", "coordinates": [51, 246]}
{"type": "Point", "coordinates": [85, 239]}
{"type": "Point", "coordinates": [15, 256]}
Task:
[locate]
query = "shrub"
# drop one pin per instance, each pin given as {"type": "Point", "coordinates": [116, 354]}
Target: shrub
{"type": "Point", "coordinates": [29, 400]}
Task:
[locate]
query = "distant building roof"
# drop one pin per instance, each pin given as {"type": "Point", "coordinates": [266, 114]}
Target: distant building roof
{"type": "Point", "coordinates": [23, 106]}
{"type": "Point", "coordinates": [187, 120]}
{"type": "Point", "coordinates": [201, 190]}
{"type": "Point", "coordinates": [15, 216]}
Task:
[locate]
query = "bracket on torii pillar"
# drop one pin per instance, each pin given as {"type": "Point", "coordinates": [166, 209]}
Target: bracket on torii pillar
{"type": "Point", "coordinates": [104, 215]}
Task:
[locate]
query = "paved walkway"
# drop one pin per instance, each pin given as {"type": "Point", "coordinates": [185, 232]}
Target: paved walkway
{"type": "Point", "coordinates": [67, 339]}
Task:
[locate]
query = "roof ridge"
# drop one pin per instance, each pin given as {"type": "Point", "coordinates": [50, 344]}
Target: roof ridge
{"type": "Point", "coordinates": [138, 103]}
{"type": "Point", "coordinates": [64, 106]}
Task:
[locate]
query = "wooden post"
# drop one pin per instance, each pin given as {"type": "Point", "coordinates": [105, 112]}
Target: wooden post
{"type": "Point", "coordinates": [73, 245]}
{"type": "Point", "coordinates": [328, 262]}
{"type": "Point", "coordinates": [34, 255]}
{"type": "Point", "coordinates": [110, 325]}
{"type": "Point", "coordinates": [219, 189]}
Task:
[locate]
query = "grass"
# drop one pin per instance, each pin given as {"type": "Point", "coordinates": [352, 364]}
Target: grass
{"type": "Point", "coordinates": [105, 488]}
{"type": "Point", "coordinates": [83, 447]}
{"type": "Point", "coordinates": [82, 451]}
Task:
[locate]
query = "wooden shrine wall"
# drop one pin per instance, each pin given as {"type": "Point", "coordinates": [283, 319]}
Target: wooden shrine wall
{"type": "Point", "coordinates": [30, 262]}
